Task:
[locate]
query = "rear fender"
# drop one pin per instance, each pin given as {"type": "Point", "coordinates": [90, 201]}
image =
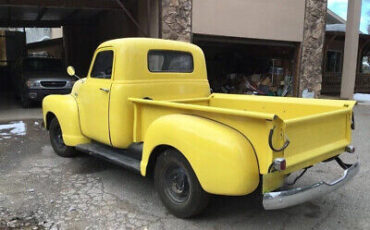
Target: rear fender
{"type": "Point", "coordinates": [221, 157]}
{"type": "Point", "coordinates": [65, 109]}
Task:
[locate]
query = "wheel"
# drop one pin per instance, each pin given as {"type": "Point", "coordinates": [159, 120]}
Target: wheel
{"type": "Point", "coordinates": [57, 142]}
{"type": "Point", "coordinates": [178, 186]}
{"type": "Point", "coordinates": [25, 101]}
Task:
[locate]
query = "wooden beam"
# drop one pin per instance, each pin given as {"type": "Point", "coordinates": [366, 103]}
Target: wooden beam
{"type": "Point", "coordinates": [148, 10]}
{"type": "Point", "coordinates": [297, 72]}
{"type": "Point", "coordinates": [9, 14]}
{"type": "Point", "coordinates": [43, 23]}
{"type": "Point", "coordinates": [41, 13]}
{"type": "Point", "coordinates": [129, 15]}
{"type": "Point", "coordinates": [361, 48]}
{"type": "Point", "coordinates": [208, 40]}
{"type": "Point", "coordinates": [365, 44]}
{"type": "Point", "coordinates": [74, 4]}
{"type": "Point", "coordinates": [327, 42]}
{"type": "Point", "coordinates": [332, 39]}
{"type": "Point", "coordinates": [72, 15]}
{"type": "Point", "coordinates": [160, 20]}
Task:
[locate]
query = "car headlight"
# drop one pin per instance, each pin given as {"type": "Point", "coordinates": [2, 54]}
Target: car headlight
{"type": "Point", "coordinates": [32, 84]}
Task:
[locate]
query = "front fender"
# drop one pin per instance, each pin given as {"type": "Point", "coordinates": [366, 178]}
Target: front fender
{"type": "Point", "coordinates": [65, 108]}
{"type": "Point", "coordinates": [221, 157]}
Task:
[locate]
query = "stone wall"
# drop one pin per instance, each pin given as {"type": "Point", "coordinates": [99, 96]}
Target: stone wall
{"type": "Point", "coordinates": [310, 73]}
{"type": "Point", "coordinates": [176, 19]}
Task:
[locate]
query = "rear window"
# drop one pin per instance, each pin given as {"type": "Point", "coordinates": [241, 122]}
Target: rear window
{"type": "Point", "coordinates": [170, 61]}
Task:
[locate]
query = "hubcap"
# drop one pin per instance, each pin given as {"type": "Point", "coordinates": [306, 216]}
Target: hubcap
{"type": "Point", "coordinates": [177, 184]}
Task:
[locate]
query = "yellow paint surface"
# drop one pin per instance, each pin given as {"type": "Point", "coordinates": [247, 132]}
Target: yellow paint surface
{"type": "Point", "coordinates": [224, 137]}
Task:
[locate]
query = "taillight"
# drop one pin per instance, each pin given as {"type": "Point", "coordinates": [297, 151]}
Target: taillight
{"type": "Point", "coordinates": [279, 164]}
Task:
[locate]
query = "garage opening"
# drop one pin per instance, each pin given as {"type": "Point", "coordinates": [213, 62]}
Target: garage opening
{"type": "Point", "coordinates": [247, 66]}
{"type": "Point", "coordinates": [82, 26]}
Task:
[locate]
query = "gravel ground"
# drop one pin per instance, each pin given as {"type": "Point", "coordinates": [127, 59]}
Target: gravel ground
{"type": "Point", "coordinates": [39, 190]}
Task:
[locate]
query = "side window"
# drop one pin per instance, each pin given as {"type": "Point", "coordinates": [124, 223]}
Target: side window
{"type": "Point", "coordinates": [334, 61]}
{"type": "Point", "coordinates": [103, 65]}
{"type": "Point", "coordinates": [365, 65]}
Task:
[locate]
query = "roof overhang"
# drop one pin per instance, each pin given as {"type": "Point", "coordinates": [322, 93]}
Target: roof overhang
{"type": "Point", "coordinates": [52, 13]}
{"type": "Point", "coordinates": [331, 16]}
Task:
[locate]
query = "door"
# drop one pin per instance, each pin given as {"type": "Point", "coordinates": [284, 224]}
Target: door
{"type": "Point", "coordinates": [93, 97]}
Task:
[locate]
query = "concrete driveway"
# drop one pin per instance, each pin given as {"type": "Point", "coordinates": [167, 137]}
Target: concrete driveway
{"type": "Point", "coordinates": [39, 190]}
{"type": "Point", "coordinates": [10, 108]}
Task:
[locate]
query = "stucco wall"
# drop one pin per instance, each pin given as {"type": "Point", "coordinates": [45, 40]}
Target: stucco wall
{"type": "Point", "coordinates": [282, 20]}
{"type": "Point", "coordinates": [261, 19]}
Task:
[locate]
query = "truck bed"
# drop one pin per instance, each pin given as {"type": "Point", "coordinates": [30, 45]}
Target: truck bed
{"type": "Point", "coordinates": [317, 129]}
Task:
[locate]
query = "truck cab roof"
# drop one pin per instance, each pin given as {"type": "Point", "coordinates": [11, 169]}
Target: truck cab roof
{"type": "Point", "coordinates": [149, 58]}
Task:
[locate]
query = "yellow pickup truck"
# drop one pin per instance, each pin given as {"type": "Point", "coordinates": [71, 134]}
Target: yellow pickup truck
{"type": "Point", "coordinates": [146, 105]}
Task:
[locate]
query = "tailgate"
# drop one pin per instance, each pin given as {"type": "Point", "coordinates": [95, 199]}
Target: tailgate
{"type": "Point", "coordinates": [317, 137]}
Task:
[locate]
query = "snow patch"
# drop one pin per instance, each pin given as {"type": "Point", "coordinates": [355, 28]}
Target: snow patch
{"type": "Point", "coordinates": [17, 128]}
{"type": "Point", "coordinates": [361, 97]}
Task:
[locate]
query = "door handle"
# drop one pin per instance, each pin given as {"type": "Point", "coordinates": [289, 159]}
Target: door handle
{"type": "Point", "coordinates": [104, 90]}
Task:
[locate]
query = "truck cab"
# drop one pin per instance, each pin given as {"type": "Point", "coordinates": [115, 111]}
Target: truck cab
{"type": "Point", "coordinates": [146, 105]}
{"type": "Point", "coordinates": [106, 114]}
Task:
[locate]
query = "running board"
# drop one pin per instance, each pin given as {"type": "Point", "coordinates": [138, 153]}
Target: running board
{"type": "Point", "coordinates": [129, 158]}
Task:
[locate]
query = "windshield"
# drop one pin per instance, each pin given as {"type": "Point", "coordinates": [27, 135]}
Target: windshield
{"type": "Point", "coordinates": [43, 64]}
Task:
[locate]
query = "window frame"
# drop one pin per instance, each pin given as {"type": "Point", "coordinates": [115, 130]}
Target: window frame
{"type": "Point", "coordinates": [103, 49]}
{"type": "Point", "coordinates": [340, 61]}
{"type": "Point", "coordinates": [170, 71]}
{"type": "Point", "coordinates": [361, 71]}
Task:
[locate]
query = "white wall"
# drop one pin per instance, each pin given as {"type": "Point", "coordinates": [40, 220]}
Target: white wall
{"type": "Point", "coordinates": [261, 19]}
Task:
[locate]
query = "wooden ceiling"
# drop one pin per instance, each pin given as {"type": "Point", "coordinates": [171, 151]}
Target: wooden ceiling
{"type": "Point", "coordinates": [52, 13]}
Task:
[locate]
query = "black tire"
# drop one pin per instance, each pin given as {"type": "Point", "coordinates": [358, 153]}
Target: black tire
{"type": "Point", "coordinates": [56, 139]}
{"type": "Point", "coordinates": [178, 186]}
{"type": "Point", "coordinates": [25, 101]}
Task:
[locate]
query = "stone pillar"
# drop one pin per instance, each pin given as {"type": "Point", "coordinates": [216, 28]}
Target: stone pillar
{"type": "Point", "coordinates": [176, 20]}
{"type": "Point", "coordinates": [351, 49]}
{"type": "Point", "coordinates": [310, 73]}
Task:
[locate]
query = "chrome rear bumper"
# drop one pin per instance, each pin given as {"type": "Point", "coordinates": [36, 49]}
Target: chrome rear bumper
{"type": "Point", "coordinates": [287, 198]}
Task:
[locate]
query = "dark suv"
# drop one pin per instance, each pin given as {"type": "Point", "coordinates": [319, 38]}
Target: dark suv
{"type": "Point", "coordinates": [36, 77]}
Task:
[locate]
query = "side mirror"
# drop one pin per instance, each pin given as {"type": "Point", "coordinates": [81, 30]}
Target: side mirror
{"type": "Point", "coordinates": [71, 72]}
